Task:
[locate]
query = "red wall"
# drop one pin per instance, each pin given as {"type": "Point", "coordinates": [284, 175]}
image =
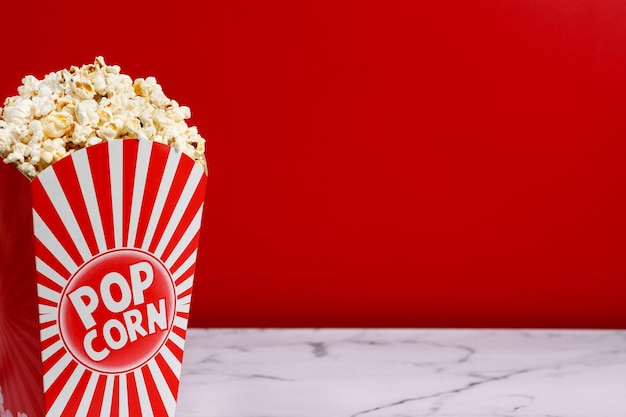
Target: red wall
{"type": "Point", "coordinates": [383, 163]}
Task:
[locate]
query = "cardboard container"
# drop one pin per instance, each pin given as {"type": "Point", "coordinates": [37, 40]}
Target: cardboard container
{"type": "Point", "coordinates": [97, 259]}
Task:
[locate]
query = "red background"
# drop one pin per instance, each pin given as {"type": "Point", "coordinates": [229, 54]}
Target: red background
{"type": "Point", "coordinates": [382, 163]}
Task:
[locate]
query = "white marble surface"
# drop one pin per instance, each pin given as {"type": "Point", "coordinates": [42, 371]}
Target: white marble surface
{"type": "Point", "coordinates": [403, 373]}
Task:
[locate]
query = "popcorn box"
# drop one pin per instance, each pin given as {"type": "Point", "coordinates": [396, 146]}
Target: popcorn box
{"type": "Point", "coordinates": [97, 260]}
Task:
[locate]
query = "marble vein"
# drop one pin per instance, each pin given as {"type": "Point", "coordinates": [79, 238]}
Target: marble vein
{"type": "Point", "coordinates": [403, 373]}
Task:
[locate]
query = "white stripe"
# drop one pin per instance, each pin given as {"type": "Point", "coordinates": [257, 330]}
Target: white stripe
{"type": "Point", "coordinates": [83, 408]}
{"type": "Point", "coordinates": [50, 273]}
{"type": "Point", "coordinates": [185, 301]}
{"type": "Point", "coordinates": [185, 285]}
{"type": "Point", "coordinates": [55, 371]}
{"type": "Point", "coordinates": [141, 172]}
{"type": "Point", "coordinates": [81, 164]}
{"type": "Point", "coordinates": [51, 350]}
{"type": "Point", "coordinates": [107, 398]}
{"type": "Point", "coordinates": [191, 231]}
{"type": "Point", "coordinates": [123, 403]}
{"type": "Point", "coordinates": [142, 393]}
{"type": "Point", "coordinates": [171, 360]}
{"type": "Point", "coordinates": [183, 308]}
{"type": "Point", "coordinates": [47, 318]}
{"type": "Point", "coordinates": [166, 183]}
{"type": "Point", "coordinates": [44, 310]}
{"type": "Point", "coordinates": [49, 240]}
{"type": "Point", "coordinates": [166, 394]}
{"type": "Point", "coordinates": [48, 294]}
{"type": "Point", "coordinates": [55, 192]}
{"type": "Point", "coordinates": [178, 341]}
{"type": "Point", "coordinates": [48, 332]}
{"type": "Point", "coordinates": [47, 313]}
{"type": "Point", "coordinates": [185, 266]}
{"type": "Point", "coordinates": [66, 393]}
{"type": "Point", "coordinates": [180, 322]}
{"type": "Point", "coordinates": [116, 166]}
{"type": "Point", "coordinates": [183, 202]}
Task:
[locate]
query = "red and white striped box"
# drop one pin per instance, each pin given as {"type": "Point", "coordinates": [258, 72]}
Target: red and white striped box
{"type": "Point", "coordinates": [97, 260]}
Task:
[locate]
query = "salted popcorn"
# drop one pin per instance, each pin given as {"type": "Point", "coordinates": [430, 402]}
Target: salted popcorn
{"type": "Point", "coordinates": [72, 109]}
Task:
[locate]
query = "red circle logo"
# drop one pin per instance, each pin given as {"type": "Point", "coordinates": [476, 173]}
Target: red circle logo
{"type": "Point", "coordinates": [117, 310]}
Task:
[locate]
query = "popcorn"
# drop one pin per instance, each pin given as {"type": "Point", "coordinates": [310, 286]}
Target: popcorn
{"type": "Point", "coordinates": [19, 112]}
{"type": "Point", "coordinates": [56, 124]}
{"type": "Point", "coordinates": [87, 113]}
{"type": "Point", "coordinates": [79, 107]}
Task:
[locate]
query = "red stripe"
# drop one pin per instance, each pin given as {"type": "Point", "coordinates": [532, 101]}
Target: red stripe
{"type": "Point", "coordinates": [66, 173]}
{"type": "Point", "coordinates": [96, 404]}
{"type": "Point", "coordinates": [131, 147]}
{"type": "Point", "coordinates": [187, 292]}
{"type": "Point", "coordinates": [51, 341]}
{"type": "Point", "coordinates": [115, 402]}
{"type": "Point", "coordinates": [43, 301]}
{"type": "Point", "coordinates": [56, 387]}
{"type": "Point", "coordinates": [178, 184]}
{"type": "Point", "coordinates": [52, 360]}
{"type": "Point", "coordinates": [170, 377]}
{"type": "Point", "coordinates": [156, 401]}
{"type": "Point", "coordinates": [49, 259]}
{"type": "Point", "coordinates": [47, 282]}
{"type": "Point", "coordinates": [183, 315]}
{"type": "Point", "coordinates": [77, 395]}
{"type": "Point", "coordinates": [49, 215]}
{"type": "Point", "coordinates": [176, 351]}
{"type": "Point", "coordinates": [180, 332]}
{"type": "Point", "coordinates": [44, 326]}
{"type": "Point", "coordinates": [134, 407]}
{"type": "Point", "coordinates": [158, 159]}
{"type": "Point", "coordinates": [190, 212]}
{"type": "Point", "coordinates": [186, 274]}
{"type": "Point", "coordinates": [99, 164]}
{"type": "Point", "coordinates": [186, 253]}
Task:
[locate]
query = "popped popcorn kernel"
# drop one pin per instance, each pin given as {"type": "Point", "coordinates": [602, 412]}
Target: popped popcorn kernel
{"type": "Point", "coordinates": [56, 124]}
{"type": "Point", "coordinates": [78, 107]}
